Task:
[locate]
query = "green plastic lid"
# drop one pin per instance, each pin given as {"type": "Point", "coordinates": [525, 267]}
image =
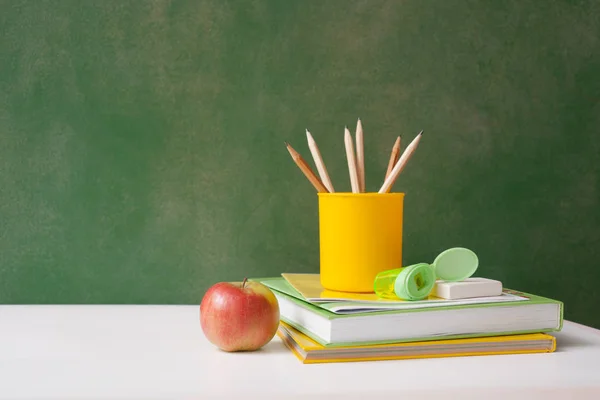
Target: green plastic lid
{"type": "Point", "coordinates": [455, 264]}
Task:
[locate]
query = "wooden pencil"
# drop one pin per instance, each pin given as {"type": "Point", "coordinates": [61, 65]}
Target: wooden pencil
{"type": "Point", "coordinates": [314, 180]}
{"type": "Point", "coordinates": [393, 157]}
{"type": "Point", "coordinates": [410, 149]}
{"type": "Point", "coordinates": [360, 156]}
{"type": "Point", "coordinates": [316, 154]}
{"type": "Point", "coordinates": [351, 161]}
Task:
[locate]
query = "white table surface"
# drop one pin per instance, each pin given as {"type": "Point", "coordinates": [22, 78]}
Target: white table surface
{"type": "Point", "coordinates": [159, 352]}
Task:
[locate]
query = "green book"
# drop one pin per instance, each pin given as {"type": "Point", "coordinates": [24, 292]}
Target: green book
{"type": "Point", "coordinates": [348, 323]}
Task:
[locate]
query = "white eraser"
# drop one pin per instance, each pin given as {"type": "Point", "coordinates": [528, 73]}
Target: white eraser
{"type": "Point", "coordinates": [469, 288]}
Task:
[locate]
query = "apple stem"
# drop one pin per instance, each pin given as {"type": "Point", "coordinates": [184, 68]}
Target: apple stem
{"type": "Point", "coordinates": [244, 283]}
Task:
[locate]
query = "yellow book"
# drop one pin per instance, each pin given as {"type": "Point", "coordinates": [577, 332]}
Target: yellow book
{"type": "Point", "coordinates": [309, 351]}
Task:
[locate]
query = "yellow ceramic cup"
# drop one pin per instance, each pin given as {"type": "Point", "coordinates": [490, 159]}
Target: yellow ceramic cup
{"type": "Point", "coordinates": [360, 235]}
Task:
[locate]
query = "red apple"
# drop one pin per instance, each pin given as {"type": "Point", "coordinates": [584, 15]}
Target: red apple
{"type": "Point", "coordinates": [239, 316]}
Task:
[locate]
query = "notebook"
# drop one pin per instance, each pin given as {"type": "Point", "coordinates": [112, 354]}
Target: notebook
{"type": "Point", "coordinates": [309, 351]}
{"type": "Point", "coordinates": [308, 286]}
{"type": "Point", "coordinates": [450, 319]}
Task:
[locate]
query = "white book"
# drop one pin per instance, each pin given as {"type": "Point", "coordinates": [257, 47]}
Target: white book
{"type": "Point", "coordinates": [379, 323]}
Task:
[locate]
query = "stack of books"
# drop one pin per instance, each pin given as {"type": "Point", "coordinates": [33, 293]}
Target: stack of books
{"type": "Point", "coordinates": [320, 326]}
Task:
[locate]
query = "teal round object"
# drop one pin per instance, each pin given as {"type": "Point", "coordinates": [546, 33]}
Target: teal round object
{"type": "Point", "coordinates": [455, 264]}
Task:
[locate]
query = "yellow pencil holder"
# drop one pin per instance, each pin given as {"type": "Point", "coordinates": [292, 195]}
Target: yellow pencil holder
{"type": "Point", "coordinates": [360, 235]}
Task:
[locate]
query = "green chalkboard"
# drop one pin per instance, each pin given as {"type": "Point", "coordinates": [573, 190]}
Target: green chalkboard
{"type": "Point", "coordinates": [142, 154]}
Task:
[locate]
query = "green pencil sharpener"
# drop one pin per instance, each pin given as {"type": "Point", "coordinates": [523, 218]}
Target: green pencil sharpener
{"type": "Point", "coordinates": [415, 282]}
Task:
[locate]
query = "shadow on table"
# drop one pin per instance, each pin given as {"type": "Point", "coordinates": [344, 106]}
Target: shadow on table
{"type": "Point", "coordinates": [272, 347]}
{"type": "Point", "coordinates": [566, 342]}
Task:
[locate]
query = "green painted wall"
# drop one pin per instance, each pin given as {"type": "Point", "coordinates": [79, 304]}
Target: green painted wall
{"type": "Point", "coordinates": [142, 153]}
